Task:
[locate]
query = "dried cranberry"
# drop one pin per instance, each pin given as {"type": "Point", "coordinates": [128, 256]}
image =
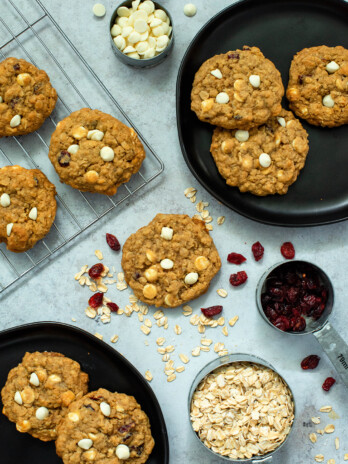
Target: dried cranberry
{"type": "Point", "coordinates": [288, 250]}
{"type": "Point", "coordinates": [16, 66]}
{"type": "Point", "coordinates": [96, 271]}
{"type": "Point", "coordinates": [14, 102]}
{"type": "Point", "coordinates": [282, 323]}
{"type": "Point", "coordinates": [126, 427]}
{"type": "Point", "coordinates": [64, 158]}
{"type": "Point", "coordinates": [300, 79]}
{"type": "Point", "coordinates": [258, 251]}
{"type": "Point", "coordinates": [113, 243]}
{"type": "Point", "coordinates": [112, 306]}
{"type": "Point", "coordinates": [298, 323]}
{"type": "Point", "coordinates": [211, 311]}
{"type": "Point", "coordinates": [96, 300]}
{"type": "Point", "coordinates": [89, 406]}
{"type": "Point", "coordinates": [276, 293]}
{"type": "Point", "coordinates": [238, 117]}
{"type": "Point", "coordinates": [235, 56]}
{"type": "Point", "coordinates": [235, 258]}
{"type": "Point", "coordinates": [310, 300]}
{"type": "Point", "coordinates": [328, 383]}
{"type": "Point", "coordinates": [238, 279]}
{"type": "Point", "coordinates": [292, 294]}
{"type": "Point", "coordinates": [271, 313]}
{"type": "Point", "coordinates": [136, 275]}
{"type": "Point", "coordinates": [37, 87]}
{"type": "Point", "coordinates": [310, 362]}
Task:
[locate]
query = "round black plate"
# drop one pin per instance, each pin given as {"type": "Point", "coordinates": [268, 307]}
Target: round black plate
{"type": "Point", "coordinates": [279, 29]}
{"type": "Point", "coordinates": [105, 367]}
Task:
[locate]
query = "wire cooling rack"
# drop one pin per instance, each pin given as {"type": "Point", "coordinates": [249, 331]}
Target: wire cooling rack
{"type": "Point", "coordinates": [28, 31]}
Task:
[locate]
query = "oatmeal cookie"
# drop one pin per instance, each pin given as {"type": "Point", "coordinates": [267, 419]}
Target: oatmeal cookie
{"type": "Point", "coordinates": [237, 90]}
{"type": "Point", "coordinates": [27, 207]}
{"type": "Point", "coordinates": [27, 97]}
{"type": "Point", "coordinates": [39, 390]}
{"type": "Point", "coordinates": [106, 428]}
{"type": "Point", "coordinates": [94, 152]}
{"type": "Point", "coordinates": [264, 160]}
{"type": "Point", "coordinates": [170, 261]}
{"type": "Point", "coordinates": [318, 85]}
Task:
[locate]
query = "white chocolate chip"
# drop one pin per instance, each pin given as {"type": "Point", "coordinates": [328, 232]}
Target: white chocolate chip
{"type": "Point", "coordinates": [15, 121]}
{"type": "Point", "coordinates": [150, 53]}
{"type": "Point", "coordinates": [222, 98]}
{"type": "Point", "coordinates": [160, 14]}
{"type": "Point", "coordinates": [190, 9]}
{"type": "Point", "coordinates": [139, 14]}
{"type": "Point", "coordinates": [135, 4]}
{"type": "Point", "coordinates": [18, 398]}
{"type": "Point", "coordinates": [5, 200]}
{"type": "Point", "coordinates": [105, 409]}
{"type": "Point", "coordinates": [85, 443]}
{"type": "Point", "coordinates": [107, 154]}
{"type": "Point", "coordinates": [167, 233]}
{"type": "Point", "coordinates": [134, 37]}
{"type": "Point", "coordinates": [9, 228]}
{"type": "Point", "coordinates": [122, 452]}
{"type": "Point", "coordinates": [140, 25]}
{"type": "Point", "coordinates": [126, 31]}
{"type": "Point", "coordinates": [116, 30]}
{"type": "Point", "coordinates": [157, 31]}
{"type": "Point", "coordinates": [265, 160]}
{"type": "Point", "coordinates": [148, 6]}
{"type": "Point", "coordinates": [165, 28]}
{"type": "Point", "coordinates": [162, 42]}
{"type": "Point", "coordinates": [216, 73]}
{"type": "Point", "coordinates": [73, 149]}
{"type": "Point", "coordinates": [255, 80]}
{"type": "Point", "coordinates": [191, 278]}
{"type": "Point", "coordinates": [332, 67]}
{"type": "Point", "coordinates": [42, 413]}
{"type": "Point", "coordinates": [95, 135]}
{"type": "Point", "coordinates": [167, 263]}
{"type": "Point", "coordinates": [34, 379]}
{"type": "Point", "coordinates": [33, 214]}
{"type": "Point", "coordinates": [141, 47]}
{"type": "Point", "coordinates": [328, 101]}
{"type": "Point", "coordinates": [242, 135]}
{"type": "Point", "coordinates": [129, 49]}
{"type": "Point", "coordinates": [120, 42]}
{"type": "Point", "coordinates": [134, 55]}
{"type": "Point", "coordinates": [122, 21]}
{"type": "Point", "coordinates": [123, 11]}
{"type": "Point", "coordinates": [155, 22]}
{"type": "Point", "coordinates": [281, 121]}
{"type": "Point", "coordinates": [99, 10]}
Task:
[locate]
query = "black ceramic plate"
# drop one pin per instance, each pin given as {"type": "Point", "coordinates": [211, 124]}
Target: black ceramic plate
{"type": "Point", "coordinates": [105, 367]}
{"type": "Point", "coordinates": [280, 28]}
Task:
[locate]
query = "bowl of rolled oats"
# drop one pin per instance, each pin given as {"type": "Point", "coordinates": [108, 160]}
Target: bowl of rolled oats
{"type": "Point", "coordinates": [241, 409]}
{"type": "Point", "coordinates": [141, 33]}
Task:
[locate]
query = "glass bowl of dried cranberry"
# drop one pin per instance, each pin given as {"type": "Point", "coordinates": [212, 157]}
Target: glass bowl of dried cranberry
{"type": "Point", "coordinates": [295, 297]}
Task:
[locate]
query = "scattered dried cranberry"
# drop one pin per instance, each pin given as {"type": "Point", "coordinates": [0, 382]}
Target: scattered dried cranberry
{"type": "Point", "coordinates": [211, 311]}
{"type": "Point", "coordinates": [310, 362]}
{"type": "Point", "coordinates": [238, 279]}
{"type": "Point", "coordinates": [96, 300]}
{"type": "Point", "coordinates": [64, 158]}
{"type": "Point", "coordinates": [328, 383]}
{"type": "Point", "coordinates": [96, 271]}
{"type": "Point", "coordinates": [235, 258]}
{"type": "Point", "coordinates": [288, 250]}
{"type": "Point", "coordinates": [257, 250]}
{"type": "Point", "coordinates": [112, 306]}
{"type": "Point", "coordinates": [113, 243]}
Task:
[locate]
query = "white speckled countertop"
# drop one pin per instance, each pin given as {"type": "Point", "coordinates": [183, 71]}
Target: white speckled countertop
{"type": "Point", "coordinates": [52, 294]}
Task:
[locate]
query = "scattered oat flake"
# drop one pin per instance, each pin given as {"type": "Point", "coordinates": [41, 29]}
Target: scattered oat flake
{"type": "Point", "coordinates": [193, 199]}
{"type": "Point", "coordinates": [221, 292]}
{"type": "Point", "coordinates": [221, 321]}
{"type": "Point", "coordinates": [98, 335]}
{"type": "Point", "coordinates": [114, 338]}
{"type": "Point", "coordinates": [184, 358]}
{"type": "Point", "coordinates": [160, 341]}
{"type": "Point", "coordinates": [145, 330]}
{"type": "Point", "coordinates": [180, 369]}
{"type": "Point", "coordinates": [337, 443]}
{"type": "Point", "coordinates": [121, 286]}
{"type": "Point", "coordinates": [105, 319]}
{"type": "Point", "coordinates": [220, 220]}
{"type": "Point", "coordinates": [177, 329]}
{"type": "Point", "coordinates": [120, 276]}
{"type": "Point", "coordinates": [148, 376]}
{"type": "Point", "coordinates": [205, 348]}
{"type": "Point", "coordinates": [330, 428]}
{"type": "Point", "coordinates": [82, 281]}
{"type": "Point", "coordinates": [146, 343]}
{"type": "Point", "coordinates": [73, 319]}
{"type": "Point", "coordinates": [196, 351]}
{"type": "Point", "coordinates": [133, 299]}
{"type": "Point", "coordinates": [171, 378]}
{"type": "Point", "coordinates": [102, 288]}
{"type": "Point", "coordinates": [319, 458]}
{"type": "Point", "coordinates": [93, 287]}
{"type": "Point", "coordinates": [233, 320]}
{"type": "Point", "coordinates": [161, 350]}
{"type": "Point", "coordinates": [206, 341]}
{"type": "Point", "coordinates": [209, 227]}
{"type": "Point", "coordinates": [201, 328]}
{"type": "Point", "coordinates": [190, 192]}
{"type": "Point", "coordinates": [325, 409]}
{"type": "Point", "coordinates": [345, 457]}
{"type": "Point", "coordinates": [187, 310]}
{"type": "Point", "coordinates": [331, 461]}
{"type": "Point", "coordinates": [223, 352]}
{"type": "Point", "coordinates": [158, 314]}
{"type": "Point", "coordinates": [90, 312]}
{"type": "Point", "coordinates": [316, 420]}
{"type": "Point", "coordinates": [170, 349]}
{"type": "Point", "coordinates": [99, 254]}
{"type": "Point", "coordinates": [82, 271]}
{"type": "Point", "coordinates": [218, 347]}
{"type": "Point", "coordinates": [165, 357]}
{"type": "Point", "coordinates": [225, 331]}
{"type": "Point", "coordinates": [148, 323]}
{"type": "Point", "coordinates": [313, 437]}
{"type": "Point", "coordinates": [320, 431]}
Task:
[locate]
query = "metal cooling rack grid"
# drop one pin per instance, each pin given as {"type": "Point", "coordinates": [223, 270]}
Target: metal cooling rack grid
{"type": "Point", "coordinates": [31, 33]}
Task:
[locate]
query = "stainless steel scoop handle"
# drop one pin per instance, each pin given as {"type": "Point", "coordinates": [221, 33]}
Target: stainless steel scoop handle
{"type": "Point", "coordinates": [336, 349]}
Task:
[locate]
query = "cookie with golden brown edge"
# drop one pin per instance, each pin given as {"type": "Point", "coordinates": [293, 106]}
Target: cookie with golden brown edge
{"type": "Point", "coordinates": [237, 90]}
{"type": "Point", "coordinates": [264, 160]}
{"type": "Point", "coordinates": [170, 261]}
{"type": "Point", "coordinates": [318, 85]}
{"type": "Point", "coordinates": [39, 390]}
{"type": "Point", "coordinates": [93, 151]}
{"type": "Point", "coordinates": [27, 97]}
{"type": "Point", "coordinates": [105, 428]}
{"type": "Point", "coordinates": [27, 207]}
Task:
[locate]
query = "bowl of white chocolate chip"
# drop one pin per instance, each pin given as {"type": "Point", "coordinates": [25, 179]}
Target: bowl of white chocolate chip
{"type": "Point", "coordinates": [141, 33]}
